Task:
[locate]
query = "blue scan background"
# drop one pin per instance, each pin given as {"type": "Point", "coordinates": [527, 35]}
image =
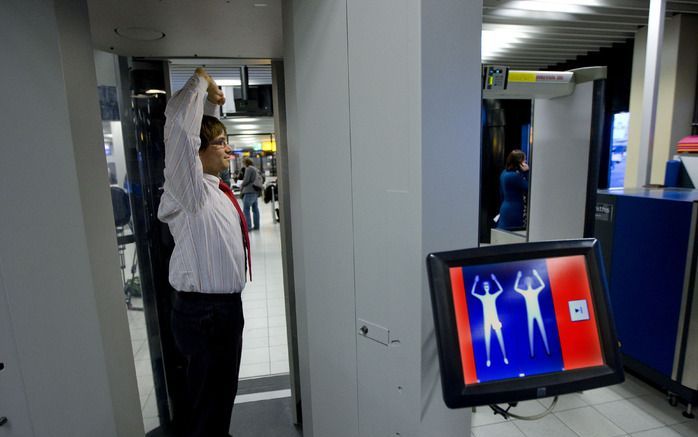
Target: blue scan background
{"type": "Point", "coordinates": [511, 307]}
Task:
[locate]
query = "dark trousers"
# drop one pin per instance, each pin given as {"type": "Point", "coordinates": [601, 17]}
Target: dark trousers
{"type": "Point", "coordinates": [207, 330]}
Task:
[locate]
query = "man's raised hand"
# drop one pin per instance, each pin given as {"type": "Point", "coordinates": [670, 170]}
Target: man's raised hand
{"type": "Point", "coordinates": [215, 95]}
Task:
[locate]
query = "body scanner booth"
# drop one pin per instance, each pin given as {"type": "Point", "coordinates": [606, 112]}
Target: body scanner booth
{"type": "Point", "coordinates": [567, 120]}
{"type": "Point", "coordinates": [522, 321]}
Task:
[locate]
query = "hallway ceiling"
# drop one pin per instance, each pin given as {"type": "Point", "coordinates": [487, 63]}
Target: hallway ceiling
{"type": "Point", "coordinates": [542, 33]}
{"type": "Point", "coordinates": [201, 28]}
{"type": "Point", "coordinates": [524, 34]}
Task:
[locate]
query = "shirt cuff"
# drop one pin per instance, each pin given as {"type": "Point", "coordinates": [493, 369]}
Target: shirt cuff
{"type": "Point", "coordinates": [211, 108]}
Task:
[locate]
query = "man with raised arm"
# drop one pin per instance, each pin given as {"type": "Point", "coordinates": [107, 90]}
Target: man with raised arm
{"type": "Point", "coordinates": [211, 256]}
{"type": "Point", "coordinates": [490, 316]}
{"type": "Point", "coordinates": [533, 313]}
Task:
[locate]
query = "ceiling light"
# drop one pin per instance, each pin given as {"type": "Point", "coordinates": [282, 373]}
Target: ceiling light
{"type": "Point", "coordinates": [499, 41]}
{"type": "Point", "coordinates": [227, 82]}
{"type": "Point", "coordinates": [244, 119]}
{"type": "Point", "coordinates": [247, 126]}
{"type": "Point", "coordinates": [139, 33]}
{"type": "Point", "coordinates": [569, 7]}
{"type": "Point", "coordinates": [154, 91]}
{"type": "Point", "coordinates": [249, 132]}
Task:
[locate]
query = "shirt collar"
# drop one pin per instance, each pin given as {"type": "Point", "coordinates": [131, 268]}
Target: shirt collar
{"type": "Point", "coordinates": [211, 178]}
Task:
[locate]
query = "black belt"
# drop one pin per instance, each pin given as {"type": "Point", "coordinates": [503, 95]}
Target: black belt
{"type": "Point", "coordinates": [193, 296]}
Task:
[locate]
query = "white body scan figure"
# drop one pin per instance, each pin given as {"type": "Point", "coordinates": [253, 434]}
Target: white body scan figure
{"type": "Point", "coordinates": [490, 317]}
{"type": "Point", "coordinates": [533, 314]}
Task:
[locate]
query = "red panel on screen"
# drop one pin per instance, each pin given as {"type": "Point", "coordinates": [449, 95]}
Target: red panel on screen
{"type": "Point", "coordinates": [574, 310]}
{"type": "Point", "coordinates": [463, 322]}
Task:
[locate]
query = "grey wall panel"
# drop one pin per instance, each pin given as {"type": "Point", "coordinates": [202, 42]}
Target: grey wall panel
{"type": "Point", "coordinates": [450, 163]}
{"type": "Point", "coordinates": [320, 191]}
{"type": "Point", "coordinates": [58, 254]}
{"type": "Point", "coordinates": [559, 165]}
{"type": "Point", "coordinates": [383, 66]}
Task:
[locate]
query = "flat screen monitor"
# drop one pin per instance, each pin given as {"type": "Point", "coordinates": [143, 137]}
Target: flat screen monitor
{"type": "Point", "coordinates": [522, 321]}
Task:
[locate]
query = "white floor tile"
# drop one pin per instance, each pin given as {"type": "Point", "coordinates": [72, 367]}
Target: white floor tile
{"type": "Point", "coordinates": [549, 426]}
{"type": "Point", "coordinates": [138, 334]}
{"type": "Point", "coordinates": [276, 321]}
{"type": "Point", "coordinates": [251, 333]}
{"type": "Point", "coordinates": [660, 432]}
{"type": "Point", "coordinates": [254, 356]}
{"type": "Point", "coordinates": [278, 340]}
{"type": "Point", "coordinates": [687, 429]}
{"type": "Point", "coordinates": [659, 408]}
{"type": "Point", "coordinates": [144, 368]}
{"type": "Point", "coordinates": [254, 343]}
{"type": "Point", "coordinates": [504, 429]}
{"type": "Point", "coordinates": [254, 370]}
{"type": "Point", "coordinates": [150, 409]}
{"type": "Point", "coordinates": [143, 353]}
{"type": "Point", "coordinates": [251, 313]}
{"type": "Point", "coordinates": [277, 311]}
{"type": "Point", "coordinates": [587, 422]}
{"type": "Point", "coordinates": [150, 423]}
{"type": "Point", "coordinates": [253, 304]}
{"type": "Point", "coordinates": [275, 331]}
{"type": "Point", "coordinates": [632, 388]}
{"type": "Point", "coordinates": [278, 353]}
{"type": "Point", "coordinates": [567, 402]}
{"type": "Point", "coordinates": [278, 367]}
{"type": "Point", "coordinates": [256, 322]}
{"type": "Point", "coordinates": [136, 345]}
{"type": "Point", "coordinates": [629, 417]}
{"type": "Point", "coordinates": [600, 396]}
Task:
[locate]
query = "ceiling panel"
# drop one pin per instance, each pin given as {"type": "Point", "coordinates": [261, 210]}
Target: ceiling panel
{"type": "Point", "coordinates": [192, 28]}
{"type": "Point", "coordinates": [542, 33]}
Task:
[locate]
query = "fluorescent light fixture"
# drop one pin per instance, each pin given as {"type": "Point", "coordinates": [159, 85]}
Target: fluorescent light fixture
{"type": "Point", "coordinates": [243, 119]}
{"type": "Point", "coordinates": [500, 41]}
{"type": "Point", "coordinates": [569, 7]}
{"type": "Point", "coordinates": [227, 82]}
{"type": "Point", "coordinates": [249, 132]}
{"type": "Point", "coordinates": [538, 15]}
{"type": "Point", "coordinates": [155, 91]}
{"type": "Point", "coordinates": [247, 126]}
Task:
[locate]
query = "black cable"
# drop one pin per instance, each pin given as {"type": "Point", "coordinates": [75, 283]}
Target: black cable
{"type": "Point", "coordinates": [506, 414]}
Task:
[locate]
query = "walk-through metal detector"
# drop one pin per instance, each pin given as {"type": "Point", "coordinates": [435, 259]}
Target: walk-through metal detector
{"type": "Point", "coordinates": [567, 139]}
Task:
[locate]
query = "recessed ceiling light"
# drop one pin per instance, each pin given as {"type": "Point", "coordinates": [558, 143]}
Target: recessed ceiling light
{"type": "Point", "coordinates": [227, 82]}
{"type": "Point", "coordinates": [154, 91]}
{"type": "Point", "coordinates": [139, 33]}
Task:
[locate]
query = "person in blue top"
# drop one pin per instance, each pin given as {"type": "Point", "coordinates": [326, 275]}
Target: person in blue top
{"type": "Point", "coordinates": [513, 185]}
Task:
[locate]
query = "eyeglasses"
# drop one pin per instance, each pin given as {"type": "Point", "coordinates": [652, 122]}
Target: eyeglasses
{"type": "Point", "coordinates": [219, 143]}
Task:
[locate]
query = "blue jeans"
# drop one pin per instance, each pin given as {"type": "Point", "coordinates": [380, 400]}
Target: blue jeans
{"type": "Point", "coordinates": [249, 200]}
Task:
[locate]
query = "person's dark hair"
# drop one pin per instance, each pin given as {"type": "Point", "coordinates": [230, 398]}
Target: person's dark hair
{"type": "Point", "coordinates": [211, 127]}
{"type": "Point", "coordinates": [515, 159]}
{"type": "Point", "coordinates": [248, 162]}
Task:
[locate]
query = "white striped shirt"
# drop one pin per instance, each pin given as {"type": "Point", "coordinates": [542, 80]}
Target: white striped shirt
{"type": "Point", "coordinates": [209, 255]}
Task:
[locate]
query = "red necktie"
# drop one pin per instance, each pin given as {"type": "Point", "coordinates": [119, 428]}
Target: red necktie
{"type": "Point", "coordinates": [243, 225]}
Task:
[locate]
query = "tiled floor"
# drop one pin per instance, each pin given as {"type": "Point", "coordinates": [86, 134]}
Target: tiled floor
{"type": "Point", "coordinates": [630, 409]}
{"type": "Point", "coordinates": [265, 350]}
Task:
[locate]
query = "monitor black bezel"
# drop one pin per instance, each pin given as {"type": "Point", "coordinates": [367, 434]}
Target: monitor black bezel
{"type": "Point", "coordinates": [456, 393]}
